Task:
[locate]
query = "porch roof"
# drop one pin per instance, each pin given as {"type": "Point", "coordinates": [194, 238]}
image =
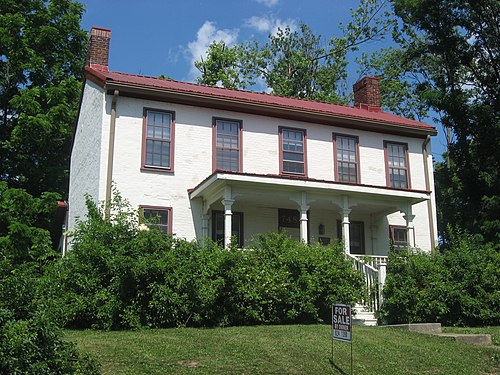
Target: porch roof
{"type": "Point", "coordinates": [212, 188]}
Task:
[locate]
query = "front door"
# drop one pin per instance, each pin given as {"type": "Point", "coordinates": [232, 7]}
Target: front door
{"type": "Point", "coordinates": [356, 236]}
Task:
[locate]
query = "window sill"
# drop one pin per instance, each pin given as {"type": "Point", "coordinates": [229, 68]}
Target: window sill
{"type": "Point", "coordinates": [293, 175]}
{"type": "Point", "coordinates": [157, 170]}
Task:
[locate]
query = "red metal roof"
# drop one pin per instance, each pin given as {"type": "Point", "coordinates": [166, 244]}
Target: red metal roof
{"type": "Point", "coordinates": [257, 98]}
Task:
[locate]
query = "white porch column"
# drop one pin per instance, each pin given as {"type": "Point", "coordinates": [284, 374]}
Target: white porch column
{"type": "Point", "coordinates": [304, 207]}
{"type": "Point", "coordinates": [382, 274]}
{"type": "Point", "coordinates": [410, 228]}
{"type": "Point", "coordinates": [204, 226]}
{"type": "Point", "coordinates": [373, 233]}
{"type": "Point", "coordinates": [204, 221]}
{"type": "Point", "coordinates": [303, 225]}
{"type": "Point", "coordinates": [228, 216]}
{"type": "Point", "coordinates": [345, 229]}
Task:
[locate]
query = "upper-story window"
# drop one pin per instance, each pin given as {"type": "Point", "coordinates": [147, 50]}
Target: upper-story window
{"type": "Point", "coordinates": [293, 151]}
{"type": "Point", "coordinates": [398, 175]}
{"type": "Point", "coordinates": [346, 158]}
{"type": "Point", "coordinates": [160, 217]}
{"type": "Point", "coordinates": [227, 139]}
{"type": "Point", "coordinates": [158, 150]}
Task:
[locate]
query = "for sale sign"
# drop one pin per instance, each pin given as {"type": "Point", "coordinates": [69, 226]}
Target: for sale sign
{"type": "Point", "coordinates": [342, 323]}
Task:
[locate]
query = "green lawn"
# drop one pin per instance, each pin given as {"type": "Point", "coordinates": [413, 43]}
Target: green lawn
{"type": "Point", "coordinates": [295, 349]}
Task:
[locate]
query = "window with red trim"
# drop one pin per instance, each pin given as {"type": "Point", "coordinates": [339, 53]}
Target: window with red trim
{"type": "Point", "coordinates": [397, 165]}
{"type": "Point", "coordinates": [158, 139]}
{"type": "Point", "coordinates": [346, 158]}
{"type": "Point", "coordinates": [399, 236]}
{"type": "Point", "coordinates": [293, 145]}
{"type": "Point", "coordinates": [160, 217]}
{"type": "Point", "coordinates": [236, 227]}
{"type": "Point", "coordinates": [228, 145]}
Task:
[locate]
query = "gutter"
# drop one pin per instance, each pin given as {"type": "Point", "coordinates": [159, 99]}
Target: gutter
{"type": "Point", "coordinates": [111, 151]}
{"type": "Point", "coordinates": [428, 188]}
{"type": "Point", "coordinates": [155, 93]}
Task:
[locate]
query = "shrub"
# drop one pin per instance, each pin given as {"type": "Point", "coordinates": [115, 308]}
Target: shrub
{"type": "Point", "coordinates": [457, 287]}
{"type": "Point", "coordinates": [35, 346]}
{"type": "Point", "coordinates": [30, 340]}
{"type": "Point", "coordinates": [284, 281]}
{"type": "Point", "coordinates": [117, 276]}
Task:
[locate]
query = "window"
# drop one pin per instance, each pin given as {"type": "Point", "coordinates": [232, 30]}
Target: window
{"type": "Point", "coordinates": [227, 139]}
{"type": "Point", "coordinates": [293, 151]}
{"type": "Point", "coordinates": [289, 222]}
{"type": "Point", "coordinates": [288, 218]}
{"type": "Point", "coordinates": [346, 158]}
{"type": "Point", "coordinates": [397, 165]}
{"type": "Point", "coordinates": [398, 236]}
{"type": "Point", "coordinates": [236, 227]}
{"type": "Point", "coordinates": [356, 236]}
{"type": "Point", "coordinates": [160, 217]}
{"type": "Point", "coordinates": [158, 150]}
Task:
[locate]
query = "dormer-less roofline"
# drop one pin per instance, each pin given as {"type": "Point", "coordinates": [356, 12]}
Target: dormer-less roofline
{"type": "Point", "coordinates": [257, 103]}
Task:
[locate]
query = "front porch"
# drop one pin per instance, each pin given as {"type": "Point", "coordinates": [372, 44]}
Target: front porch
{"type": "Point", "coordinates": [236, 207]}
{"type": "Point", "coordinates": [230, 205]}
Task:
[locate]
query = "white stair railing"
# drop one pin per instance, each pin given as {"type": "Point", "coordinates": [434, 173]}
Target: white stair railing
{"type": "Point", "coordinates": [374, 270]}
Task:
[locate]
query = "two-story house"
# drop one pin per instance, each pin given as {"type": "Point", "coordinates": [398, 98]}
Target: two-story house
{"type": "Point", "coordinates": [220, 163]}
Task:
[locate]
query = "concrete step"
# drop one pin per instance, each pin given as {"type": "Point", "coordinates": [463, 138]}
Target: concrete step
{"type": "Point", "coordinates": [363, 317]}
{"type": "Point", "coordinates": [429, 328]}
{"type": "Point", "coordinates": [476, 339]}
{"type": "Point", "coordinates": [365, 322]}
{"type": "Point", "coordinates": [435, 329]}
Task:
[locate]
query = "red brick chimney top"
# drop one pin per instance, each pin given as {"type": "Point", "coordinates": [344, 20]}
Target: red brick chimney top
{"type": "Point", "coordinates": [367, 94]}
{"type": "Point", "coordinates": [98, 48]}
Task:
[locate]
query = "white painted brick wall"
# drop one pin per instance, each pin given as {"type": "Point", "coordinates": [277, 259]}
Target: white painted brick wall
{"type": "Point", "coordinates": [193, 162]}
{"type": "Point", "coordinates": [86, 159]}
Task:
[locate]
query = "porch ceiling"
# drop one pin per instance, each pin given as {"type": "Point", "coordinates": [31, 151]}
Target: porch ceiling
{"type": "Point", "coordinates": [286, 192]}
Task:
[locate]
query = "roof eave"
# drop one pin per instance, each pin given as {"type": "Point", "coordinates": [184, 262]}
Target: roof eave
{"type": "Point", "coordinates": [266, 109]}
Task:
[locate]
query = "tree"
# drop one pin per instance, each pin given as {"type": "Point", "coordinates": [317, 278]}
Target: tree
{"type": "Point", "coordinates": [460, 43]}
{"type": "Point", "coordinates": [298, 63]}
{"type": "Point", "coordinates": [42, 51]}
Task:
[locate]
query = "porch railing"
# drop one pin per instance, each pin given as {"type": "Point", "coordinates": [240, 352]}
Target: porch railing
{"type": "Point", "coordinates": [373, 267]}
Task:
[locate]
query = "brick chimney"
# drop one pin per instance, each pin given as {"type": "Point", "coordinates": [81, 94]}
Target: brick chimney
{"type": "Point", "coordinates": [367, 94]}
{"type": "Point", "coordinates": [98, 48]}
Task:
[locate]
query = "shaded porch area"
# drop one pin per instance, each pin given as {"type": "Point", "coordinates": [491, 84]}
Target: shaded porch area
{"type": "Point", "coordinates": [238, 206]}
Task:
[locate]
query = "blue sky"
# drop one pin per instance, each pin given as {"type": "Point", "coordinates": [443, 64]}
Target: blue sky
{"type": "Point", "coordinates": [153, 37]}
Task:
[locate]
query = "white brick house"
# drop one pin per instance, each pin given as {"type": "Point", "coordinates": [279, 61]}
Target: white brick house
{"type": "Point", "coordinates": [215, 162]}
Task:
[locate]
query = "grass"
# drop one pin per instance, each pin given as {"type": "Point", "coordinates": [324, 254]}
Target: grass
{"type": "Point", "coordinates": [493, 331]}
{"type": "Point", "coordinates": [295, 349]}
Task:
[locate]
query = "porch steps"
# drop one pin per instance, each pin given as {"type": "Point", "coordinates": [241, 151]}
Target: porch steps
{"type": "Point", "coordinates": [435, 329]}
{"type": "Point", "coordinates": [363, 316]}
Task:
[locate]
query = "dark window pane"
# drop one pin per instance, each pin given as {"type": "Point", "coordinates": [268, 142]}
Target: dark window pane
{"type": "Point", "coordinates": [158, 135]}
{"type": "Point", "coordinates": [157, 218]}
{"type": "Point", "coordinates": [227, 140]}
{"type": "Point", "coordinates": [396, 160]}
{"type": "Point", "coordinates": [347, 159]}
{"type": "Point", "coordinates": [236, 227]}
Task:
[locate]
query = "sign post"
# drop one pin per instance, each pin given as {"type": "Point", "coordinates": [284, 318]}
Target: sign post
{"type": "Point", "coordinates": [342, 325]}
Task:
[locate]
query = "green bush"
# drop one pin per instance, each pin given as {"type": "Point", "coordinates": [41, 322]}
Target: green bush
{"type": "Point", "coordinates": [30, 340]}
{"type": "Point", "coordinates": [117, 276]}
{"type": "Point", "coordinates": [460, 286]}
{"type": "Point", "coordinates": [284, 281]}
{"type": "Point", "coordinates": [35, 346]}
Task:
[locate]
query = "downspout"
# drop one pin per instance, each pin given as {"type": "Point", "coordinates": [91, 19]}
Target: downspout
{"type": "Point", "coordinates": [65, 229]}
{"type": "Point", "coordinates": [428, 188]}
{"type": "Point", "coordinates": [111, 151]}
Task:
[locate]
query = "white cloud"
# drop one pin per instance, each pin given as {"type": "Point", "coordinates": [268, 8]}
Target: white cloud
{"type": "Point", "coordinates": [268, 3]}
{"type": "Point", "coordinates": [270, 24]}
{"type": "Point", "coordinates": [206, 34]}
